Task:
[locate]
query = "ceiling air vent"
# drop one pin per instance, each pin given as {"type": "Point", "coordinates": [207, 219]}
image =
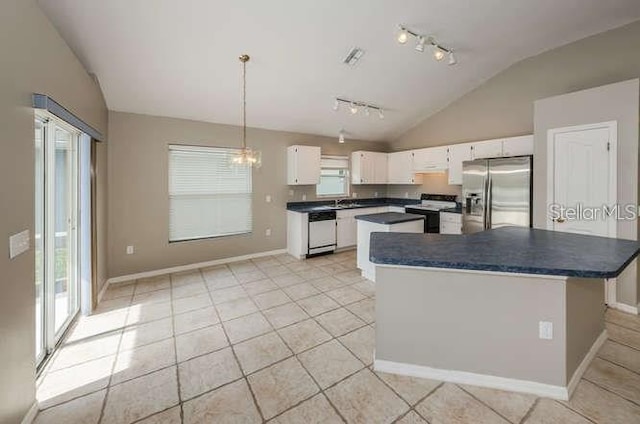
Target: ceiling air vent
{"type": "Point", "coordinates": [354, 56]}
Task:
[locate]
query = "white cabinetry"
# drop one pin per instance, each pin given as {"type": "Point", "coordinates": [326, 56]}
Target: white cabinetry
{"type": "Point", "coordinates": [517, 146]}
{"type": "Point", "coordinates": [297, 234]}
{"type": "Point", "coordinates": [450, 223]}
{"type": "Point", "coordinates": [368, 167]}
{"type": "Point", "coordinates": [303, 165]}
{"type": "Point", "coordinates": [487, 149]}
{"type": "Point", "coordinates": [431, 159]}
{"type": "Point", "coordinates": [400, 168]}
{"type": "Point", "coordinates": [457, 154]}
{"type": "Point", "coordinates": [348, 226]}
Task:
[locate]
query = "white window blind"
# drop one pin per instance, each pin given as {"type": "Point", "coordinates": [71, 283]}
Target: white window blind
{"type": "Point", "coordinates": [208, 197]}
{"type": "Point", "coordinates": [334, 176]}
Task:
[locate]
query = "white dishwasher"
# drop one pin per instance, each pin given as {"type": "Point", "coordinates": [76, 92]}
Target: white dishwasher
{"type": "Point", "coordinates": [322, 232]}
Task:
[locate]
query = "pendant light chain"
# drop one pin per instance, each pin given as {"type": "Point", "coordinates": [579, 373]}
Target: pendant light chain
{"type": "Point", "coordinates": [244, 59]}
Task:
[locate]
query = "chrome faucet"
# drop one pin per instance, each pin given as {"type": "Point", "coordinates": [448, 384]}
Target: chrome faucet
{"type": "Point", "coordinates": [338, 201]}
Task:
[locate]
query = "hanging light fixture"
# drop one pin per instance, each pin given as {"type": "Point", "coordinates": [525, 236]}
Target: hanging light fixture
{"type": "Point", "coordinates": [246, 156]}
{"type": "Point", "coordinates": [341, 137]}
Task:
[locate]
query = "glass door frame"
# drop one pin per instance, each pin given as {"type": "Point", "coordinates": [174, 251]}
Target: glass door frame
{"type": "Point", "coordinates": [50, 337]}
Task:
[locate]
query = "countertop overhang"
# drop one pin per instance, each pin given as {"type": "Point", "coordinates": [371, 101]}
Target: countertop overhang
{"type": "Point", "coordinates": [508, 249]}
{"type": "Point", "coordinates": [390, 218]}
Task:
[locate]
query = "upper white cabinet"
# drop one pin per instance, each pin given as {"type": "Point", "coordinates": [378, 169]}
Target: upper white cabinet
{"type": "Point", "coordinates": [431, 159]}
{"type": "Point", "coordinates": [457, 154]}
{"type": "Point", "coordinates": [517, 146]}
{"type": "Point", "coordinates": [486, 149]}
{"type": "Point", "coordinates": [303, 165]}
{"type": "Point", "coordinates": [400, 168]}
{"type": "Point", "coordinates": [368, 167]}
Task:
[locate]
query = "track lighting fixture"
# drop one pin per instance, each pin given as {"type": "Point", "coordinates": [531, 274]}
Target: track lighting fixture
{"type": "Point", "coordinates": [403, 35]}
{"type": "Point", "coordinates": [439, 51]}
{"type": "Point", "coordinates": [357, 106]}
{"type": "Point", "coordinates": [438, 54]}
{"type": "Point", "coordinates": [452, 58]}
{"type": "Point", "coordinates": [341, 137]}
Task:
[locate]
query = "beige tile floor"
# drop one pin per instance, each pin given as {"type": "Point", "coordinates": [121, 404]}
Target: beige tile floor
{"type": "Point", "coordinates": [285, 341]}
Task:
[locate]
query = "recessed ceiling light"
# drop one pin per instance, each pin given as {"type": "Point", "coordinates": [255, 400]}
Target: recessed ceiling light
{"type": "Point", "coordinates": [354, 56]}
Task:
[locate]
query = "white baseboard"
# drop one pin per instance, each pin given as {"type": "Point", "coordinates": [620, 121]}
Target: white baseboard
{"type": "Point", "coordinates": [625, 308]}
{"type": "Point", "coordinates": [491, 381]}
{"type": "Point", "coordinates": [577, 375]}
{"type": "Point", "coordinates": [31, 414]}
{"type": "Point", "coordinates": [155, 273]}
{"type": "Point", "coordinates": [482, 380]}
{"type": "Point", "coordinates": [102, 291]}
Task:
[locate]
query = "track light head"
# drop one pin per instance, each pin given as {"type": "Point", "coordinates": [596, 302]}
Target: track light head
{"type": "Point", "coordinates": [341, 137]}
{"type": "Point", "coordinates": [353, 108]}
{"type": "Point", "coordinates": [380, 114]}
{"type": "Point", "coordinates": [452, 59]}
{"type": "Point", "coordinates": [336, 105]}
{"type": "Point", "coordinates": [420, 44]}
{"type": "Point", "coordinates": [438, 53]}
{"type": "Point", "coordinates": [366, 111]}
{"type": "Point", "coordinates": [403, 35]}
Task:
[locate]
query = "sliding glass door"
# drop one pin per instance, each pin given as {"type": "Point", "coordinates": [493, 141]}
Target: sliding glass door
{"type": "Point", "coordinates": [57, 265]}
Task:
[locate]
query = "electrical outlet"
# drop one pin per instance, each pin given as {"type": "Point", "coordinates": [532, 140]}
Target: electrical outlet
{"type": "Point", "coordinates": [304, 197]}
{"type": "Point", "coordinates": [129, 250]}
{"type": "Point", "coordinates": [375, 194]}
{"type": "Point", "coordinates": [406, 194]}
{"type": "Point", "coordinates": [545, 330]}
{"type": "Point", "coordinates": [354, 195]}
{"type": "Point", "coordinates": [268, 198]}
{"type": "Point", "coordinates": [291, 193]}
{"type": "Point", "coordinates": [267, 232]}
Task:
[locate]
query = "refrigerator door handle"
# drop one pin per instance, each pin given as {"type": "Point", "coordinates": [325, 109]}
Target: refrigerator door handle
{"type": "Point", "coordinates": [488, 202]}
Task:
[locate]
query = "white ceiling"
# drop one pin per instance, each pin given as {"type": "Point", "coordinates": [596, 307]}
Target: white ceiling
{"type": "Point", "coordinates": [178, 58]}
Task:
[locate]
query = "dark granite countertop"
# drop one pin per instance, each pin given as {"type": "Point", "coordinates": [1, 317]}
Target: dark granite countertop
{"type": "Point", "coordinates": [390, 218]}
{"type": "Point", "coordinates": [327, 205]}
{"type": "Point", "coordinates": [508, 249]}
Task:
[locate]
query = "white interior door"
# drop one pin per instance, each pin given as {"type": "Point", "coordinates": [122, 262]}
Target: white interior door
{"type": "Point", "coordinates": [582, 179]}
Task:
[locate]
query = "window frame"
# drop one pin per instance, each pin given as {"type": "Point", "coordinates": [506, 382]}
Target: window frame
{"type": "Point", "coordinates": [196, 147]}
{"type": "Point", "coordinates": [347, 184]}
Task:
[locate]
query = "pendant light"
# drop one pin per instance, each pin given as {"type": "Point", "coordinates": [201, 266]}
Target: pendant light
{"type": "Point", "coordinates": [245, 156]}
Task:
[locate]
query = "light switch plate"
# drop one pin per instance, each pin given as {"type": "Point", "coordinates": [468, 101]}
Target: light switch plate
{"type": "Point", "coordinates": [18, 243]}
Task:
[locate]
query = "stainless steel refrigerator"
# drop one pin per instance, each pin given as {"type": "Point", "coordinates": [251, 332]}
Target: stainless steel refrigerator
{"type": "Point", "coordinates": [496, 193]}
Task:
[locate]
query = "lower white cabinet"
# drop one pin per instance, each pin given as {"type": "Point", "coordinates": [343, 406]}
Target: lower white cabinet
{"type": "Point", "coordinates": [347, 229]}
{"type": "Point", "coordinates": [450, 223]}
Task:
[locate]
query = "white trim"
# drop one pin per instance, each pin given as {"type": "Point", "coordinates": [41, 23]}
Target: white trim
{"type": "Point", "coordinates": [482, 380]}
{"type": "Point", "coordinates": [103, 290]}
{"type": "Point", "coordinates": [612, 126]}
{"type": "Point", "coordinates": [31, 414]}
{"type": "Point", "coordinates": [189, 267]}
{"type": "Point", "coordinates": [577, 375]}
{"type": "Point", "coordinates": [625, 308]}
{"type": "Point", "coordinates": [492, 381]}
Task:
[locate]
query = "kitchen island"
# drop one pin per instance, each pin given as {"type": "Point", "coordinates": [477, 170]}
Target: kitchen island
{"type": "Point", "coordinates": [513, 308]}
{"type": "Point", "coordinates": [382, 222]}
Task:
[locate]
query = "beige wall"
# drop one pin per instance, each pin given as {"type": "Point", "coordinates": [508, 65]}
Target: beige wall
{"type": "Point", "coordinates": [503, 105]}
{"type": "Point", "coordinates": [138, 199]}
{"type": "Point", "coordinates": [34, 59]}
{"type": "Point", "coordinates": [618, 102]}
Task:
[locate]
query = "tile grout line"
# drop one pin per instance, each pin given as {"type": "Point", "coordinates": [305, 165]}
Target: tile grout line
{"type": "Point", "coordinates": [175, 346]}
{"type": "Point", "coordinates": [243, 377]}
{"type": "Point", "coordinates": [482, 402]}
{"type": "Point", "coordinates": [612, 392]}
{"type": "Point", "coordinates": [530, 411]}
{"type": "Point", "coordinates": [113, 367]}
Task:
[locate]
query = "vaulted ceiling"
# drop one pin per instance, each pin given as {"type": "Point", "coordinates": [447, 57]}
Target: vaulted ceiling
{"type": "Point", "coordinates": [179, 58]}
